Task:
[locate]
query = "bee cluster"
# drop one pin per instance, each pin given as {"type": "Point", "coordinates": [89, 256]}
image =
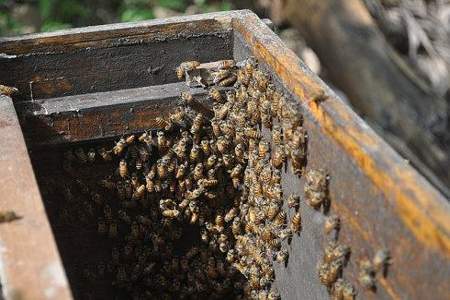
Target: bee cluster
{"type": "Point", "coordinates": [196, 209]}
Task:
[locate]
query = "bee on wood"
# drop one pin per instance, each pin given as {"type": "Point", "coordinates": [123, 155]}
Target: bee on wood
{"type": "Point", "coordinates": [139, 192]}
{"type": "Point", "coordinates": [215, 95]}
{"type": "Point", "coordinates": [263, 149]}
{"type": "Point", "coordinates": [8, 216]}
{"type": "Point", "coordinates": [113, 231]}
{"type": "Point", "coordinates": [316, 187]}
{"type": "Point", "coordinates": [296, 223]}
{"type": "Point", "coordinates": [186, 66]}
{"type": "Point", "coordinates": [119, 146]}
{"type": "Point", "coordinates": [105, 154]}
{"type": "Point", "coordinates": [187, 98]}
{"type": "Point", "coordinates": [278, 157]}
{"type": "Point", "coordinates": [367, 275]}
{"type": "Point", "coordinates": [197, 123]}
{"type": "Point", "coordinates": [329, 272]}
{"type": "Point", "coordinates": [123, 168]}
{"type": "Point", "coordinates": [81, 155]}
{"type": "Point", "coordinates": [226, 64]}
{"type": "Point", "coordinates": [102, 228]}
{"type": "Point", "coordinates": [293, 201]}
{"type": "Point", "coordinates": [280, 219]}
{"type": "Point", "coordinates": [171, 213]}
{"type": "Point", "coordinates": [282, 256]}
{"type": "Point", "coordinates": [8, 90]}
{"type": "Point", "coordinates": [332, 223]}
{"type": "Point", "coordinates": [381, 260]}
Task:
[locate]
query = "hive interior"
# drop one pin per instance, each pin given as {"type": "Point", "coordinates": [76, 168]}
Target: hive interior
{"type": "Point", "coordinates": [194, 210]}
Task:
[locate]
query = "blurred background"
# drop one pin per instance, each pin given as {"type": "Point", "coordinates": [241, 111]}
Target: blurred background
{"type": "Point", "coordinates": [388, 59]}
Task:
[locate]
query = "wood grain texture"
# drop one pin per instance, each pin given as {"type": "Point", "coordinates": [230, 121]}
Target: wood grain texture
{"type": "Point", "coordinates": [100, 115]}
{"type": "Point", "coordinates": [383, 200]}
{"type": "Point", "coordinates": [30, 266]}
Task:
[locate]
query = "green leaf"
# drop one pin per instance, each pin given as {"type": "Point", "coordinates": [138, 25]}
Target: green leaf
{"type": "Point", "coordinates": [45, 8]}
{"type": "Point", "coordinates": [136, 15]}
{"type": "Point", "coordinates": [179, 5]}
{"type": "Point", "coordinates": [54, 25]}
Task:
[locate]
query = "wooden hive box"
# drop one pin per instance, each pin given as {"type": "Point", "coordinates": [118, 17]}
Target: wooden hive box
{"type": "Point", "coordinates": [100, 82]}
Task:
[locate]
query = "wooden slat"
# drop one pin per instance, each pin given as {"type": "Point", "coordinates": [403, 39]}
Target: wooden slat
{"type": "Point", "coordinates": [118, 56]}
{"type": "Point", "coordinates": [30, 266]}
{"type": "Point", "coordinates": [100, 115]}
{"type": "Point", "coordinates": [383, 201]}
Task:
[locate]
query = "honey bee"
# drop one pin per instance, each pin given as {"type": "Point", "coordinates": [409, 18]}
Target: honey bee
{"type": "Point", "coordinates": [120, 146]}
{"type": "Point", "coordinates": [146, 138]}
{"type": "Point", "coordinates": [367, 275]}
{"type": "Point", "coordinates": [81, 156]}
{"type": "Point", "coordinates": [236, 226]}
{"type": "Point", "coordinates": [329, 272]}
{"type": "Point", "coordinates": [112, 232]}
{"type": "Point", "coordinates": [8, 90]}
{"type": "Point", "coordinates": [278, 157]}
{"type": "Point", "coordinates": [104, 154]}
{"type": "Point", "coordinates": [139, 192]}
{"type": "Point", "coordinates": [280, 219]}
{"type": "Point", "coordinates": [294, 201]}
{"type": "Point", "coordinates": [228, 81]}
{"type": "Point", "coordinates": [348, 291]}
{"type": "Point", "coordinates": [8, 216]}
{"type": "Point", "coordinates": [102, 227]}
{"type": "Point", "coordinates": [381, 260]}
{"type": "Point", "coordinates": [252, 133]}
{"type": "Point", "coordinates": [331, 223]}
{"type": "Point", "coordinates": [197, 123]}
{"type": "Point", "coordinates": [316, 187]}
{"type": "Point", "coordinates": [282, 256]}
{"type": "Point", "coordinates": [273, 295]}
{"type": "Point", "coordinates": [186, 66]}
{"type": "Point", "coordinates": [334, 251]}
{"type": "Point", "coordinates": [296, 223]}
{"type": "Point", "coordinates": [226, 64]}
{"type": "Point", "coordinates": [277, 135]}
{"type": "Point", "coordinates": [171, 213]}
{"type": "Point", "coordinates": [215, 95]}
{"type": "Point", "coordinates": [195, 153]}
{"type": "Point", "coordinates": [187, 98]}
{"type": "Point", "coordinates": [198, 171]}
{"type": "Point", "coordinates": [123, 168]}
{"type": "Point", "coordinates": [263, 149]}
{"type": "Point", "coordinates": [162, 142]}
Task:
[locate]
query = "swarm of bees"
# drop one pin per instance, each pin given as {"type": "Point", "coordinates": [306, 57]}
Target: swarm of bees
{"type": "Point", "coordinates": [218, 179]}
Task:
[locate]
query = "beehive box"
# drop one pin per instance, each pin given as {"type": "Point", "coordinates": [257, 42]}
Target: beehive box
{"type": "Point", "coordinates": [93, 85]}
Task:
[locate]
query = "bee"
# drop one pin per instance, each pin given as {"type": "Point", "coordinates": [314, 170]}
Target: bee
{"type": "Point", "coordinates": [181, 171]}
{"type": "Point", "coordinates": [252, 133]}
{"type": "Point", "coordinates": [331, 223]}
{"type": "Point", "coordinates": [195, 153]}
{"type": "Point", "coordinates": [367, 274]}
{"type": "Point", "coordinates": [146, 138]}
{"type": "Point", "coordinates": [122, 214]}
{"type": "Point", "coordinates": [316, 187]}
{"type": "Point", "coordinates": [215, 95]}
{"type": "Point", "coordinates": [329, 272]}
{"type": "Point", "coordinates": [139, 192]}
{"type": "Point", "coordinates": [226, 64]}
{"type": "Point", "coordinates": [205, 146]}
{"type": "Point", "coordinates": [381, 260]}
{"type": "Point", "coordinates": [278, 157]}
{"type": "Point", "coordinates": [123, 168]}
{"type": "Point", "coordinates": [277, 135]}
{"type": "Point", "coordinates": [102, 227]}
{"type": "Point", "coordinates": [160, 122]}
{"type": "Point", "coordinates": [104, 154]}
{"type": "Point", "coordinates": [261, 79]}
{"type": "Point", "coordinates": [162, 142]}
{"type": "Point", "coordinates": [236, 226]}
{"type": "Point", "coordinates": [263, 149]}
{"type": "Point", "coordinates": [296, 223]}
{"type": "Point", "coordinates": [273, 295]}
{"type": "Point", "coordinates": [81, 156]}
{"type": "Point", "coordinates": [282, 256]}
{"type": "Point", "coordinates": [8, 90]}
{"type": "Point", "coordinates": [189, 66]}
{"type": "Point", "coordinates": [198, 171]}
{"type": "Point", "coordinates": [120, 146]}
{"type": "Point", "coordinates": [334, 251]}
{"type": "Point", "coordinates": [171, 213]}
{"type": "Point", "coordinates": [197, 123]}
{"type": "Point", "coordinates": [187, 98]}
{"type": "Point", "coordinates": [293, 201]}
{"type": "Point", "coordinates": [8, 216]}
{"type": "Point", "coordinates": [228, 81]}
{"type": "Point", "coordinates": [112, 232]}
{"type": "Point", "coordinates": [280, 219]}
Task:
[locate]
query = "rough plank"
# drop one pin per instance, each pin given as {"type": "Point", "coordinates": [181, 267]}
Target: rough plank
{"type": "Point", "coordinates": [30, 266]}
{"type": "Point", "coordinates": [383, 201]}
{"type": "Point", "coordinates": [100, 115]}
